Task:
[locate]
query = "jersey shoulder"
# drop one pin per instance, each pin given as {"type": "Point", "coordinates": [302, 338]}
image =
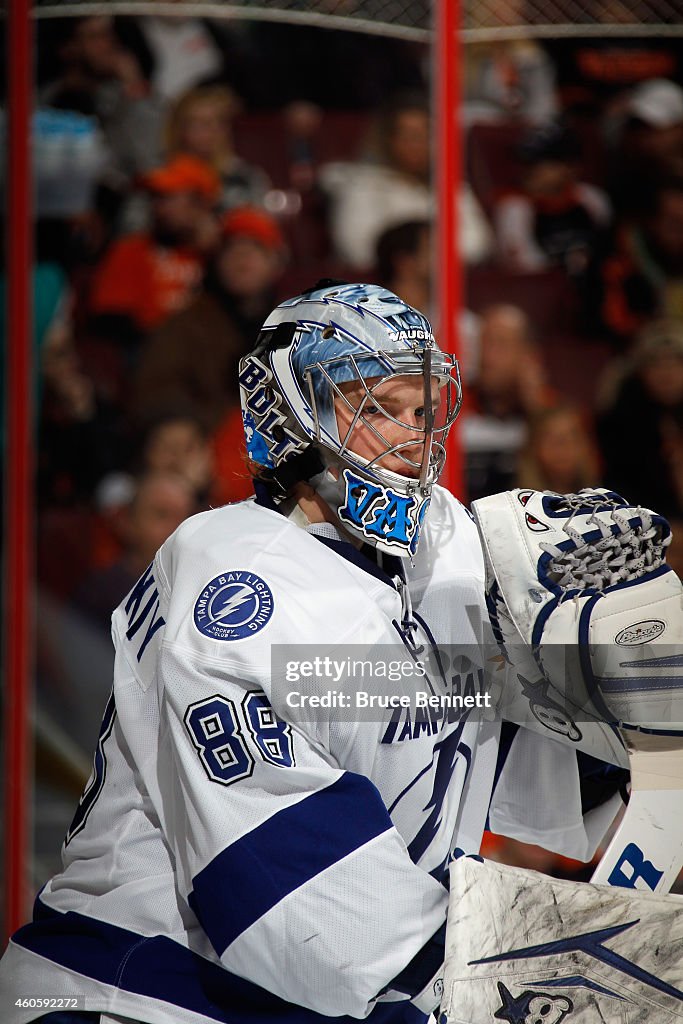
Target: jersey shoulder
{"type": "Point", "coordinates": [239, 531]}
{"type": "Point", "coordinates": [244, 576]}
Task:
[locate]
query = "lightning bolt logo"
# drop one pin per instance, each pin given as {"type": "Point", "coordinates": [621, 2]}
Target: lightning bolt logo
{"type": "Point", "coordinates": [447, 752]}
{"type": "Point", "coordinates": [233, 603]}
{"type": "Point", "coordinates": [233, 606]}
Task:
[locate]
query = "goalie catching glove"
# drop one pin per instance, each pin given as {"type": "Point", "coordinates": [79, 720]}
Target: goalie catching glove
{"type": "Point", "coordinates": [579, 591]}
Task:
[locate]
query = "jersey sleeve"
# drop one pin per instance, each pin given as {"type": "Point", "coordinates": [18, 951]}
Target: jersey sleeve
{"type": "Point", "coordinates": [291, 864]}
{"type": "Point", "coordinates": [553, 796]}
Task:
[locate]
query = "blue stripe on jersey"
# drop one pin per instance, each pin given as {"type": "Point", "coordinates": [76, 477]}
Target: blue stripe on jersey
{"type": "Point", "coordinates": [156, 967]}
{"type": "Point", "coordinates": [254, 873]}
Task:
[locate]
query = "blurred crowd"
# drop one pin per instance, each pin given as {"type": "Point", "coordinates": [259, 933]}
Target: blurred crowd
{"type": "Point", "coordinates": [191, 173]}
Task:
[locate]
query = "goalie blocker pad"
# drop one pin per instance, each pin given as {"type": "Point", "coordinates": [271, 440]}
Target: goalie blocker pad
{"type": "Point", "coordinates": [528, 949]}
{"type": "Point", "coordinates": [584, 581]}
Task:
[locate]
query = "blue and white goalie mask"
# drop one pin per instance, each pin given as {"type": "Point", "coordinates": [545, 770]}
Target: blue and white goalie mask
{"type": "Point", "coordinates": [347, 388]}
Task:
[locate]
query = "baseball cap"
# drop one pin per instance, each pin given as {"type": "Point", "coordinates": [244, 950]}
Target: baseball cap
{"type": "Point", "coordinates": [252, 222]}
{"type": "Point", "coordinates": [657, 103]}
{"type": "Point", "coordinates": [183, 173]}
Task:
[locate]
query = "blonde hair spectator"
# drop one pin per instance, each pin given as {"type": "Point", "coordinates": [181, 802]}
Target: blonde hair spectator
{"type": "Point", "coordinates": [200, 124]}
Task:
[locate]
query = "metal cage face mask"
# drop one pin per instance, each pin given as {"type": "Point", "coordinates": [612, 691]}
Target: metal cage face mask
{"type": "Point", "coordinates": [355, 374]}
{"type": "Point", "coordinates": [358, 392]}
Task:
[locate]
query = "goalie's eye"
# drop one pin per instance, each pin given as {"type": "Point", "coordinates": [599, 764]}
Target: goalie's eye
{"type": "Point", "coordinates": [372, 409]}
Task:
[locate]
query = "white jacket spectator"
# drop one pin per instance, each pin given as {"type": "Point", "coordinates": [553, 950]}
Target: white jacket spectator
{"type": "Point", "coordinates": [367, 199]}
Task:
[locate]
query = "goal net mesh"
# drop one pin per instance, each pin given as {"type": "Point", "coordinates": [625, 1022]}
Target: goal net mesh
{"type": "Point", "coordinates": [412, 19]}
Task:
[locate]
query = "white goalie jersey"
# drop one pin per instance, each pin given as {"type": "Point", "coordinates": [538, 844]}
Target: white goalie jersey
{"type": "Point", "coordinates": [236, 858]}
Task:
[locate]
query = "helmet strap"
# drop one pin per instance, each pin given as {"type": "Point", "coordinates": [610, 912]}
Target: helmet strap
{"type": "Point", "coordinates": [303, 466]}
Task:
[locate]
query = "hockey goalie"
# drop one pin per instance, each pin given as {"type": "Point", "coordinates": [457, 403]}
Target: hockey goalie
{"type": "Point", "coordinates": [233, 860]}
{"type": "Point", "coordinates": [589, 620]}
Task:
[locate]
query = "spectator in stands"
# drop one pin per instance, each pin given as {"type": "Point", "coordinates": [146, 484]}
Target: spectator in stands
{"type": "Point", "coordinates": [647, 143]}
{"type": "Point", "coordinates": [159, 502]}
{"type": "Point", "coordinates": [79, 436]}
{"type": "Point", "coordinates": [246, 271]}
{"type": "Point", "coordinates": [640, 428]}
{"type": "Point", "coordinates": [594, 72]}
{"type": "Point", "coordinates": [252, 257]}
{"type": "Point", "coordinates": [560, 453]}
{"type": "Point", "coordinates": [509, 388]}
{"type": "Point", "coordinates": [111, 500]}
{"type": "Point", "coordinates": [101, 76]}
{"type": "Point", "coordinates": [507, 78]}
{"type": "Point", "coordinates": [70, 155]}
{"type": "Point", "coordinates": [171, 440]}
{"type": "Point", "coordinates": [147, 276]}
{"type": "Point", "coordinates": [186, 52]}
{"type": "Point", "coordinates": [193, 357]}
{"type": "Point", "coordinates": [302, 123]}
{"type": "Point", "coordinates": [175, 440]}
{"type": "Point", "coordinates": [403, 262]}
{"type": "Point", "coordinates": [557, 219]}
{"type": "Point", "coordinates": [232, 480]}
{"type": "Point", "coordinates": [641, 277]}
{"type": "Point", "coordinates": [369, 197]}
{"type": "Point", "coordinates": [200, 124]}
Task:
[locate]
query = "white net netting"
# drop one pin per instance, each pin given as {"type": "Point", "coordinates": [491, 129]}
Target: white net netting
{"type": "Point", "coordinates": [412, 19]}
{"type": "Point", "coordinates": [409, 19]}
{"type": "Point", "coordinates": [487, 19]}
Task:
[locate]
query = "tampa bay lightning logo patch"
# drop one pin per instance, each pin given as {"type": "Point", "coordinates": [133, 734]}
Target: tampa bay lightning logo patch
{"type": "Point", "coordinates": [234, 605]}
